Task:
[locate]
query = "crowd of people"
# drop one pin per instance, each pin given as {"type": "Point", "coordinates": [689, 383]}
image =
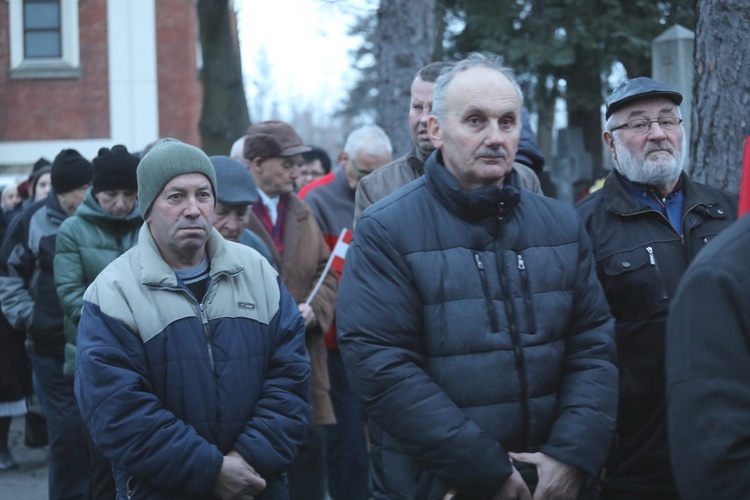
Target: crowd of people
{"type": "Point", "coordinates": [180, 322]}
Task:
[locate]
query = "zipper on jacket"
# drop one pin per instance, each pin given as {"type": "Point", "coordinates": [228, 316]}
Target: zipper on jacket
{"type": "Point", "coordinates": [207, 332]}
{"type": "Point", "coordinates": [201, 312]}
{"type": "Point", "coordinates": [517, 345]}
{"type": "Point", "coordinates": [494, 324]}
{"type": "Point", "coordinates": [652, 261]}
{"type": "Point", "coordinates": [529, 304]}
{"type": "Point", "coordinates": [132, 488]}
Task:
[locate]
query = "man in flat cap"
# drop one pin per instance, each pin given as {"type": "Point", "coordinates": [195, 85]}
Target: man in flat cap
{"type": "Point", "coordinates": [235, 194]}
{"type": "Point", "coordinates": [647, 223]}
{"type": "Point", "coordinates": [331, 199]}
{"type": "Point", "coordinates": [273, 150]}
{"type": "Point", "coordinates": [192, 372]}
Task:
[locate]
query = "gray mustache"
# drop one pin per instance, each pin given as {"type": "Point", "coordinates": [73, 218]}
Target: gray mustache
{"type": "Point", "coordinates": [665, 147]}
{"type": "Point", "coordinates": [492, 153]}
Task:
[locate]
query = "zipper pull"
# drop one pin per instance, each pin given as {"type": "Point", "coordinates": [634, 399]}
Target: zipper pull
{"type": "Point", "coordinates": [501, 210]}
{"type": "Point", "coordinates": [521, 264]}
{"type": "Point", "coordinates": [480, 266]}
{"type": "Point", "coordinates": [651, 255]}
{"type": "Point", "coordinates": [204, 318]}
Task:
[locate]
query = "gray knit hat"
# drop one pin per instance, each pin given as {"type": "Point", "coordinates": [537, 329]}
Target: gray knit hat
{"type": "Point", "coordinates": [165, 161]}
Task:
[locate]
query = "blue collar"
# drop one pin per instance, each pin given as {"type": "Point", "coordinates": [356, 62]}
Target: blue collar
{"type": "Point", "coordinates": [670, 207]}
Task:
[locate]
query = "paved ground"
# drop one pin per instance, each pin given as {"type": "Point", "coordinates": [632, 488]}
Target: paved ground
{"type": "Point", "coordinates": [29, 480]}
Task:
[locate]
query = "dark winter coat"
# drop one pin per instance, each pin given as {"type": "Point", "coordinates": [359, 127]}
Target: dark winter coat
{"type": "Point", "coordinates": [27, 283]}
{"type": "Point", "coordinates": [469, 335]}
{"type": "Point", "coordinates": [708, 362]}
{"type": "Point", "coordinates": [640, 259]}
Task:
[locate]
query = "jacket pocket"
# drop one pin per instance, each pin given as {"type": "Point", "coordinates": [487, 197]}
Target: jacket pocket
{"type": "Point", "coordinates": [491, 313]}
{"type": "Point", "coordinates": [528, 301]}
{"type": "Point", "coordinates": [633, 283]}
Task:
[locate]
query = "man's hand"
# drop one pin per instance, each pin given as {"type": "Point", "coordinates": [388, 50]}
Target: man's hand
{"type": "Point", "coordinates": [307, 314]}
{"type": "Point", "coordinates": [514, 488]}
{"type": "Point", "coordinates": [557, 480]}
{"type": "Point", "coordinates": [237, 479]}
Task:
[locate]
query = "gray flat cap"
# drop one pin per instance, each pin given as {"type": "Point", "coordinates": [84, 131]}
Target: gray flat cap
{"type": "Point", "coordinates": [234, 184]}
{"type": "Point", "coordinates": [639, 88]}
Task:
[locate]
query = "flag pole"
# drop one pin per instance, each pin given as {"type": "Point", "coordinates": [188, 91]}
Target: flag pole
{"type": "Point", "coordinates": [320, 280]}
{"type": "Point", "coordinates": [327, 268]}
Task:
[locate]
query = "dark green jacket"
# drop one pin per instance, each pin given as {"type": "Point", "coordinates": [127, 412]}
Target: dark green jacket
{"type": "Point", "coordinates": [86, 243]}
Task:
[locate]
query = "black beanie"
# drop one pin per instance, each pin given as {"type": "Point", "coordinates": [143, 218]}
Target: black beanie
{"type": "Point", "coordinates": [115, 169]}
{"type": "Point", "coordinates": [70, 171]}
{"type": "Point", "coordinates": [40, 163]}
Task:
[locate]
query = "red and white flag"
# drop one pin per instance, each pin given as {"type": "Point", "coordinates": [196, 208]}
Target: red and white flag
{"type": "Point", "coordinates": [744, 206]}
{"type": "Point", "coordinates": [335, 261]}
{"type": "Point", "coordinates": [338, 254]}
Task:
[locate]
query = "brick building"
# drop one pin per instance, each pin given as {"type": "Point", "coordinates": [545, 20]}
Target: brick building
{"type": "Point", "coordinates": [85, 74]}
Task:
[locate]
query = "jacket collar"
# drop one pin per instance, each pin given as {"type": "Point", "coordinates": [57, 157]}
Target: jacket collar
{"type": "Point", "coordinates": [156, 272]}
{"type": "Point", "coordinates": [415, 161]}
{"type": "Point", "coordinates": [472, 205]}
{"type": "Point", "coordinates": [54, 210]}
{"type": "Point", "coordinates": [91, 210]}
{"type": "Point", "coordinates": [618, 201]}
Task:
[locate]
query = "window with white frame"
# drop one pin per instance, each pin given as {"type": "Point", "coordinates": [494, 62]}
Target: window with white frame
{"type": "Point", "coordinates": [44, 39]}
{"type": "Point", "coordinates": [41, 29]}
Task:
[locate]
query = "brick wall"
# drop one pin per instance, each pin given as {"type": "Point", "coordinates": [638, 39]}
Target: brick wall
{"type": "Point", "coordinates": [64, 108]}
{"type": "Point", "coordinates": [180, 90]}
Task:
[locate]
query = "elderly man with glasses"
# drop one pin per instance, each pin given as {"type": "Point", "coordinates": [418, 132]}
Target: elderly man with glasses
{"type": "Point", "coordinates": [647, 224]}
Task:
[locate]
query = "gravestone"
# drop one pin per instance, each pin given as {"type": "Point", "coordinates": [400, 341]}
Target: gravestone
{"type": "Point", "coordinates": [572, 168]}
{"type": "Point", "coordinates": [672, 64]}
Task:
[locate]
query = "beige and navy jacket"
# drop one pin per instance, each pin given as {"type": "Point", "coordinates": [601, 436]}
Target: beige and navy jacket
{"type": "Point", "coordinates": [168, 385]}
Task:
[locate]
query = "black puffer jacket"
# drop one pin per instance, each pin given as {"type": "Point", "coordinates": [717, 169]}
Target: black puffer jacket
{"type": "Point", "coordinates": [640, 259]}
{"type": "Point", "coordinates": [468, 337]}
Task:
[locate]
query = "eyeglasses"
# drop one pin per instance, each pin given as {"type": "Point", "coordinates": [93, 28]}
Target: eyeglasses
{"type": "Point", "coordinates": [641, 126]}
{"type": "Point", "coordinates": [360, 173]}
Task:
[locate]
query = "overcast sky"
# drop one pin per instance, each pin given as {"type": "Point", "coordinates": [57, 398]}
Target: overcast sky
{"type": "Point", "coordinates": [307, 46]}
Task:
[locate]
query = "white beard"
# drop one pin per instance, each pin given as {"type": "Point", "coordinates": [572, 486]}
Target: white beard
{"type": "Point", "coordinates": [660, 170]}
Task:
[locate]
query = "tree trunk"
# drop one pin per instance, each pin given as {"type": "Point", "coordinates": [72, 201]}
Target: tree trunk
{"type": "Point", "coordinates": [225, 116]}
{"type": "Point", "coordinates": [721, 92]}
{"type": "Point", "coordinates": [545, 101]}
{"type": "Point", "coordinates": [405, 41]}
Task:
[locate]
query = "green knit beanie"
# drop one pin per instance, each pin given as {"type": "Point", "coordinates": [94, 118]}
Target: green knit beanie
{"type": "Point", "coordinates": [165, 161]}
